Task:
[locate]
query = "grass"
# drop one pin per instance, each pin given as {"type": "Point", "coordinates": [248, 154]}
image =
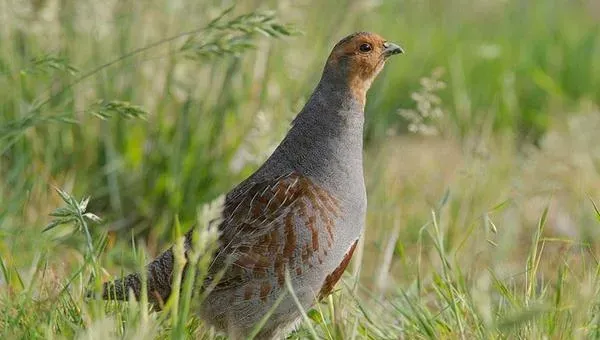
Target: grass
{"type": "Point", "coordinates": [483, 224]}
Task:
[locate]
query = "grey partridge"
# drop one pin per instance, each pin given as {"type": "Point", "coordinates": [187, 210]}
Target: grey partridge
{"type": "Point", "coordinates": [302, 211]}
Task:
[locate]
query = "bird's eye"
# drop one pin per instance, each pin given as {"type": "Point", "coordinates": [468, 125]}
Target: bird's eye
{"type": "Point", "coordinates": [365, 47]}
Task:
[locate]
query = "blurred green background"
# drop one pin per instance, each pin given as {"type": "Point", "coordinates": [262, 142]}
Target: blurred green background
{"type": "Point", "coordinates": [491, 114]}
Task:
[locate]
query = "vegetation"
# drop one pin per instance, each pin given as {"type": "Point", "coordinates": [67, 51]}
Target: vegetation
{"type": "Point", "coordinates": [121, 121]}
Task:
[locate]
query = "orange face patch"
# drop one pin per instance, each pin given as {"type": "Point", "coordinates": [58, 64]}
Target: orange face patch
{"type": "Point", "coordinates": [364, 57]}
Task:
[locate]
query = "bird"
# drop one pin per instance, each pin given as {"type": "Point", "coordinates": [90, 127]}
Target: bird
{"type": "Point", "coordinates": [298, 217]}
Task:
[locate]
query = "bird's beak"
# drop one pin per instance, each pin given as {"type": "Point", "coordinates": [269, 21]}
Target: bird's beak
{"type": "Point", "coordinates": [390, 49]}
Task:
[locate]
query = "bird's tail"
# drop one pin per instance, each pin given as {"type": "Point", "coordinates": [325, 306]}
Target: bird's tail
{"type": "Point", "coordinates": [159, 275]}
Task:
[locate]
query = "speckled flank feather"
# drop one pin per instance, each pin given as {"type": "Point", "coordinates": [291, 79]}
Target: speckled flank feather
{"type": "Point", "coordinates": [284, 224]}
{"type": "Point", "coordinates": [335, 275]}
{"type": "Point", "coordinates": [301, 213]}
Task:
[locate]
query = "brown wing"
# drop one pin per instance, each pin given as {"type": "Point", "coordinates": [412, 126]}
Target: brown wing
{"type": "Point", "coordinates": [283, 223]}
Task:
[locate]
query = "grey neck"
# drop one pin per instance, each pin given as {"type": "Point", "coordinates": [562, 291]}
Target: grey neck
{"type": "Point", "coordinates": [326, 138]}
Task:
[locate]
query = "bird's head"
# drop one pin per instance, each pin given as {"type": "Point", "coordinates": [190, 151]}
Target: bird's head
{"type": "Point", "coordinates": [357, 59]}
